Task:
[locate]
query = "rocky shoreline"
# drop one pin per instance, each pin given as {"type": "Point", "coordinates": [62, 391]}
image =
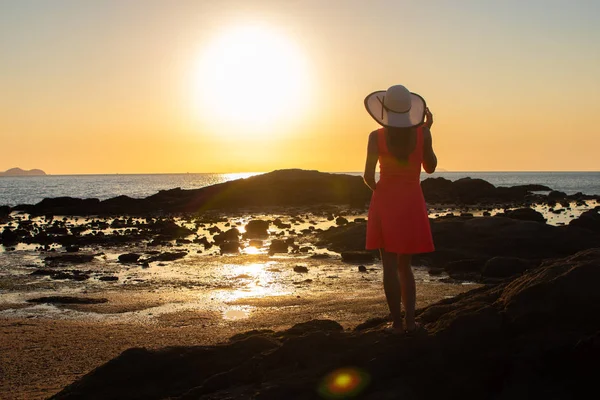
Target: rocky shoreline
{"type": "Point", "coordinates": [512, 338]}
{"type": "Point", "coordinates": [289, 188]}
{"type": "Point", "coordinates": [536, 336]}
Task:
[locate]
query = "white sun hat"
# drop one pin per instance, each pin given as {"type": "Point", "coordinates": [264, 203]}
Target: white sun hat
{"type": "Point", "coordinates": [396, 107]}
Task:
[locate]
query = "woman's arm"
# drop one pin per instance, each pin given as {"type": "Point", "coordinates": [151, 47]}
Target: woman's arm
{"type": "Point", "coordinates": [371, 163]}
{"type": "Point", "coordinates": [429, 157]}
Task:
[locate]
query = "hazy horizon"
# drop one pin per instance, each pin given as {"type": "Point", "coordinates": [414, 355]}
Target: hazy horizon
{"type": "Point", "coordinates": [438, 170]}
{"type": "Point", "coordinates": [143, 87]}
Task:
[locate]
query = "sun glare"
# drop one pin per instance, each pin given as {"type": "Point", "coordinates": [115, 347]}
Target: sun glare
{"type": "Point", "coordinates": [249, 78]}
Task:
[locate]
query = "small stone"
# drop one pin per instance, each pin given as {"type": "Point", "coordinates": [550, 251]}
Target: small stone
{"type": "Point", "coordinates": [300, 269]}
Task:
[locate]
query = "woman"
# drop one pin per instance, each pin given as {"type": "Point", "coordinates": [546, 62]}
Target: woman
{"type": "Point", "coordinates": [398, 224]}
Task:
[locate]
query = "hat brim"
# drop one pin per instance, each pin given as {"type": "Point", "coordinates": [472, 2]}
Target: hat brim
{"type": "Point", "coordinates": [389, 119]}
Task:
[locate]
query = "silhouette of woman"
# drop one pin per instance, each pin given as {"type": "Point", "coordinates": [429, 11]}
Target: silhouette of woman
{"type": "Point", "coordinates": [398, 223]}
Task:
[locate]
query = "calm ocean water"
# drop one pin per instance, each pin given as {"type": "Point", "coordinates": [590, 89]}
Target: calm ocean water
{"type": "Point", "coordinates": [30, 190]}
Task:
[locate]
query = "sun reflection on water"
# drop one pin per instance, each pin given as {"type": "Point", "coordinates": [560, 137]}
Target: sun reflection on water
{"type": "Point", "coordinates": [252, 280]}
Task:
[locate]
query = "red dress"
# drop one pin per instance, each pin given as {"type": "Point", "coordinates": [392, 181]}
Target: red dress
{"type": "Point", "coordinates": [398, 220]}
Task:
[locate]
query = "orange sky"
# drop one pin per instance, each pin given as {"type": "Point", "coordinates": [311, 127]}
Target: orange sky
{"type": "Point", "coordinates": [110, 86]}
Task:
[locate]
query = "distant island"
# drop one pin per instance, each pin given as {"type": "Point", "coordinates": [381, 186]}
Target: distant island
{"type": "Point", "coordinates": [22, 172]}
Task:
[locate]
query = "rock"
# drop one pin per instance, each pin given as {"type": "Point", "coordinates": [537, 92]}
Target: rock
{"type": "Point", "coordinates": [72, 249]}
{"type": "Point", "coordinates": [231, 235]}
{"type": "Point", "coordinates": [204, 242]}
{"type": "Point", "coordinates": [362, 268]}
{"type": "Point", "coordinates": [320, 256]}
{"type": "Point", "coordinates": [109, 278]}
{"type": "Point", "coordinates": [67, 300]}
{"type": "Point", "coordinates": [504, 267]}
{"type": "Point", "coordinates": [341, 221]}
{"type": "Point", "coordinates": [281, 225]}
{"type": "Point", "coordinates": [466, 265]}
{"type": "Point", "coordinates": [471, 191]}
{"type": "Point", "coordinates": [129, 258]}
{"type": "Point", "coordinates": [371, 323]}
{"type": "Point", "coordinates": [358, 256]}
{"type": "Point", "coordinates": [435, 271]}
{"type": "Point", "coordinates": [556, 195]}
{"type": "Point", "coordinates": [168, 256]}
{"type": "Point", "coordinates": [278, 246]}
{"type": "Point", "coordinates": [304, 249]}
{"type": "Point", "coordinates": [524, 214]}
{"type": "Point", "coordinates": [43, 272]}
{"type": "Point", "coordinates": [69, 258]}
{"type": "Point", "coordinates": [300, 269]}
{"type": "Point", "coordinates": [74, 275]}
{"type": "Point", "coordinates": [257, 229]}
{"type": "Point", "coordinates": [229, 247]}
{"type": "Point", "coordinates": [589, 219]}
{"type": "Point", "coordinates": [169, 229]}
{"type": "Point", "coordinates": [8, 236]}
{"type": "Point", "coordinates": [322, 325]}
{"type": "Point", "coordinates": [4, 213]}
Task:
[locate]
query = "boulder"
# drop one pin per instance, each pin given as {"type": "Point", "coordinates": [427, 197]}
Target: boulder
{"type": "Point", "coordinates": [230, 235]}
{"type": "Point", "coordinates": [589, 219]}
{"type": "Point", "coordinates": [129, 258]}
{"type": "Point", "coordinates": [504, 267]}
{"type": "Point", "coordinates": [556, 195]}
{"type": "Point", "coordinates": [257, 229]}
{"type": "Point", "coordinates": [524, 214]}
{"type": "Point", "coordinates": [341, 221]}
{"type": "Point", "coordinates": [9, 236]}
{"type": "Point", "coordinates": [169, 229]}
{"type": "Point", "coordinates": [278, 246]}
{"type": "Point", "coordinates": [230, 246]}
{"type": "Point", "coordinates": [300, 268]}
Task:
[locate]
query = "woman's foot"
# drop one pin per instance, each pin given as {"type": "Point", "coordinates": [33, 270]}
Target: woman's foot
{"type": "Point", "coordinates": [394, 328]}
{"type": "Point", "coordinates": [414, 329]}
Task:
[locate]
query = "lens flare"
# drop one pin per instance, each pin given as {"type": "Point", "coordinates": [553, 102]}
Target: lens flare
{"type": "Point", "coordinates": [344, 383]}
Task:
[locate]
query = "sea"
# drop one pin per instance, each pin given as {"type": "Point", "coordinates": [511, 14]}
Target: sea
{"type": "Point", "coordinates": [32, 189]}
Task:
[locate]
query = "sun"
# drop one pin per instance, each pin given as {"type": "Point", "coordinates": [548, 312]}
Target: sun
{"type": "Point", "coordinates": [250, 77]}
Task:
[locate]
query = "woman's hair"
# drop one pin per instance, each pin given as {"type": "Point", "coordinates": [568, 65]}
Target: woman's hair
{"type": "Point", "coordinates": [401, 142]}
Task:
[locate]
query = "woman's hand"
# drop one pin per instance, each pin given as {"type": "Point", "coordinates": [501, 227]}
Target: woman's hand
{"type": "Point", "coordinates": [428, 118]}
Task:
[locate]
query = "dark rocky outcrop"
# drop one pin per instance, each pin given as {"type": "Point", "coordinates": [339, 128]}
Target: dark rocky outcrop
{"type": "Point", "coordinates": [465, 244]}
{"type": "Point", "coordinates": [284, 188]}
{"type": "Point", "coordinates": [537, 336]}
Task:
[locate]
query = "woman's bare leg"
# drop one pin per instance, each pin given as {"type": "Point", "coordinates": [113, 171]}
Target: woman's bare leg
{"type": "Point", "coordinates": [409, 292]}
{"type": "Point", "coordinates": [391, 286]}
